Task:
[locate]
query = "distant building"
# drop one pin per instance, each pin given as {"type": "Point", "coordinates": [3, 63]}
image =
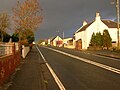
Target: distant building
{"type": "Point", "coordinates": [56, 41]}
{"type": "Point", "coordinates": [83, 35]}
{"type": "Point", "coordinates": [48, 41]}
{"type": "Point", "coordinates": [65, 41]}
{"type": "Point", "coordinates": [43, 43]}
{"type": "Point", "coordinates": [68, 43]}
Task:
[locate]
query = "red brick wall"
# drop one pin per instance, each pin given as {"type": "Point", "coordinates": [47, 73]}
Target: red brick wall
{"type": "Point", "coordinates": [8, 65]}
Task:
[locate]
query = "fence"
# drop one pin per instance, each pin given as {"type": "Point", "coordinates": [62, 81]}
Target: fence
{"type": "Point", "coordinates": [8, 48]}
{"type": "Point", "coordinates": [9, 59]}
{"type": "Point", "coordinates": [25, 51]}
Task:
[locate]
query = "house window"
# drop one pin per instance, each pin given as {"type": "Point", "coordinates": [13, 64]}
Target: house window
{"type": "Point", "coordinates": [113, 41]}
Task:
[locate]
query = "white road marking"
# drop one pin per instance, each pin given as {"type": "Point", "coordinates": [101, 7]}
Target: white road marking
{"type": "Point", "coordinates": [109, 68]}
{"type": "Point", "coordinates": [57, 80]}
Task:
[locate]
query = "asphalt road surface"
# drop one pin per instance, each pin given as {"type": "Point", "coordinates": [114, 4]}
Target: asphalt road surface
{"type": "Point", "coordinates": [83, 71]}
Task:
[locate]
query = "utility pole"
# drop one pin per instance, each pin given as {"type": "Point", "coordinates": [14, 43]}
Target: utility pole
{"type": "Point", "coordinates": [63, 34]}
{"type": "Point", "coordinates": [58, 38]}
{"type": "Point", "coordinates": [118, 18]}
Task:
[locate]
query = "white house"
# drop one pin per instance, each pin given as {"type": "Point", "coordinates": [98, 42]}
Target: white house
{"type": "Point", "coordinates": [65, 41]}
{"type": "Point", "coordinates": [43, 43]}
{"type": "Point", "coordinates": [49, 41]}
{"type": "Point", "coordinates": [68, 43]}
{"type": "Point", "coordinates": [84, 33]}
{"type": "Point", "coordinates": [56, 41]}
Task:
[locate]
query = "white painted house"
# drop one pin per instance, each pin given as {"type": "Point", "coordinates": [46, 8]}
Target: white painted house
{"type": "Point", "coordinates": [85, 32]}
{"type": "Point", "coordinates": [68, 43]}
{"type": "Point", "coordinates": [56, 41]}
{"type": "Point", "coordinates": [65, 41]}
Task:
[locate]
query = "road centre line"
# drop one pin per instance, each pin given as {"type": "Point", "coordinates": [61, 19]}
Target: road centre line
{"type": "Point", "coordinates": [57, 80]}
{"type": "Point", "coordinates": [109, 68]}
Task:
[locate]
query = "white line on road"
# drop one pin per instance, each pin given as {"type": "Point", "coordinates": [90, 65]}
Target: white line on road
{"type": "Point", "coordinates": [112, 69]}
{"type": "Point", "coordinates": [57, 80]}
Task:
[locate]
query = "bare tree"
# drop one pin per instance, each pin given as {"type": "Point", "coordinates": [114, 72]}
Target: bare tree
{"type": "Point", "coordinates": [4, 24]}
{"type": "Point", "coordinates": [27, 16]}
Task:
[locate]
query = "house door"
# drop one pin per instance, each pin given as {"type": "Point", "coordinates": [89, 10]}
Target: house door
{"type": "Point", "coordinates": [79, 44]}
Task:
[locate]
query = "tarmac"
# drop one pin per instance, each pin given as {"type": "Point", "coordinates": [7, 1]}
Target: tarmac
{"type": "Point", "coordinates": [32, 73]}
{"type": "Point", "coordinates": [106, 53]}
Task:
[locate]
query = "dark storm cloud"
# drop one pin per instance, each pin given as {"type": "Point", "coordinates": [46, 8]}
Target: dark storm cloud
{"type": "Point", "coordinates": [67, 15]}
{"type": "Point", "coordinates": [7, 5]}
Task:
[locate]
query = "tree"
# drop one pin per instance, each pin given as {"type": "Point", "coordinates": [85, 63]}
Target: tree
{"type": "Point", "coordinates": [6, 37]}
{"type": "Point", "coordinates": [30, 36]}
{"type": "Point", "coordinates": [27, 16]}
{"type": "Point", "coordinates": [107, 41]}
{"type": "Point", "coordinates": [15, 37]}
{"type": "Point", "coordinates": [96, 40]}
{"type": "Point", "coordinates": [99, 40]}
{"type": "Point", "coordinates": [93, 40]}
{"type": "Point", "coordinates": [4, 24]}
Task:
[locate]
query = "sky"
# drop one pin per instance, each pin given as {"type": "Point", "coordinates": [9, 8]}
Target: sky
{"type": "Point", "coordinates": [66, 15]}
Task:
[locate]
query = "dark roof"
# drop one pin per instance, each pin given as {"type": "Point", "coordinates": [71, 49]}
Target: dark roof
{"type": "Point", "coordinates": [84, 27]}
{"type": "Point", "coordinates": [110, 24]}
{"type": "Point", "coordinates": [53, 38]}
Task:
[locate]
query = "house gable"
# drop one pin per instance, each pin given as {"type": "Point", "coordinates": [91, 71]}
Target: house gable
{"type": "Point", "coordinates": [85, 27]}
{"type": "Point", "coordinates": [97, 26]}
{"type": "Point", "coordinates": [55, 40]}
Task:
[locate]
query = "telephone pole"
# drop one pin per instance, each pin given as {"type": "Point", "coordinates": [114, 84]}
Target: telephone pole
{"type": "Point", "coordinates": [63, 35]}
{"type": "Point", "coordinates": [118, 18]}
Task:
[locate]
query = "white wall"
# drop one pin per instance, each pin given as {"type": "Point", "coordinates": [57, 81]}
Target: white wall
{"type": "Point", "coordinates": [113, 33]}
{"type": "Point", "coordinates": [25, 51]}
{"type": "Point", "coordinates": [66, 40]}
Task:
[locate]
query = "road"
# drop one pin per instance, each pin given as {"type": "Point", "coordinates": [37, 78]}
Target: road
{"type": "Point", "coordinates": [83, 71]}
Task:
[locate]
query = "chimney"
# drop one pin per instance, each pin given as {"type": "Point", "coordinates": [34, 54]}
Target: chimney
{"type": "Point", "coordinates": [84, 23]}
{"type": "Point", "coordinates": [97, 16]}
